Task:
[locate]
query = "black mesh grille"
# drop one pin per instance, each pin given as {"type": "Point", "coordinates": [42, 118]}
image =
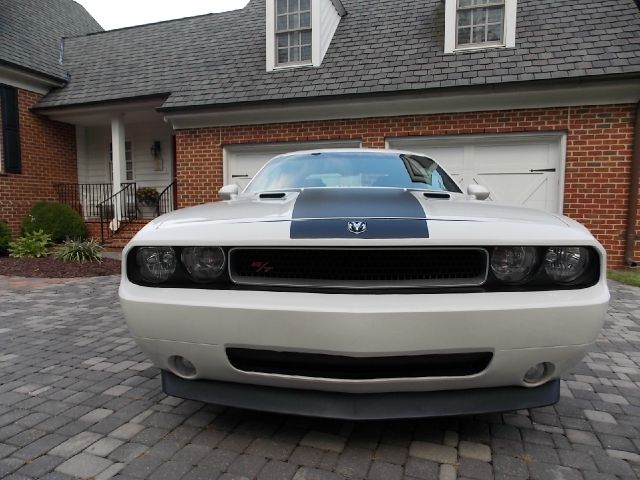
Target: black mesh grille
{"type": "Point", "coordinates": [359, 267]}
{"type": "Point", "coordinates": [358, 368]}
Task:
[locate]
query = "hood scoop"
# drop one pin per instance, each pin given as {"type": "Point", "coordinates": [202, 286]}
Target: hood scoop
{"type": "Point", "coordinates": [437, 195]}
{"type": "Point", "coordinates": [272, 196]}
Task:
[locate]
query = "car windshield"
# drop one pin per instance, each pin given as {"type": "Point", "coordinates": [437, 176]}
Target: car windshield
{"type": "Point", "coordinates": [351, 169]}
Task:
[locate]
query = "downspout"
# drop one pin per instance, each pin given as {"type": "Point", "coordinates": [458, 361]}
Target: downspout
{"type": "Point", "coordinates": [632, 219]}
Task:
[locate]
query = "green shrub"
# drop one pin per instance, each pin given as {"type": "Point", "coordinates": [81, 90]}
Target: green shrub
{"type": "Point", "coordinates": [5, 238]}
{"type": "Point", "coordinates": [58, 220]}
{"type": "Point", "coordinates": [32, 245]}
{"type": "Point", "coordinates": [79, 251]}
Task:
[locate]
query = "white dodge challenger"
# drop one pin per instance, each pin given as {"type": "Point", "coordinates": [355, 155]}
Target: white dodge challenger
{"type": "Point", "coordinates": [363, 284]}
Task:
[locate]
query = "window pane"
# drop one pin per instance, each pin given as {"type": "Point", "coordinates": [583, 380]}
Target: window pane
{"type": "Point", "coordinates": [294, 54]}
{"type": "Point", "coordinates": [306, 53]}
{"type": "Point", "coordinates": [282, 7]}
{"type": "Point", "coordinates": [282, 23]}
{"type": "Point", "coordinates": [479, 16]}
{"type": "Point", "coordinates": [494, 33]}
{"type": "Point", "coordinates": [495, 14]}
{"type": "Point", "coordinates": [293, 6]}
{"type": "Point", "coordinates": [464, 18]}
{"type": "Point", "coordinates": [305, 5]}
{"type": "Point", "coordinates": [464, 36]}
{"type": "Point", "coordinates": [283, 40]}
{"type": "Point", "coordinates": [464, 3]}
{"type": "Point", "coordinates": [305, 20]}
{"type": "Point", "coordinates": [478, 34]}
{"type": "Point", "coordinates": [283, 55]}
{"type": "Point", "coordinates": [306, 37]}
{"type": "Point", "coordinates": [294, 21]}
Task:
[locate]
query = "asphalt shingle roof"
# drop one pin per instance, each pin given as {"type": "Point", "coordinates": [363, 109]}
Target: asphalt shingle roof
{"type": "Point", "coordinates": [380, 46]}
{"type": "Point", "coordinates": [31, 32]}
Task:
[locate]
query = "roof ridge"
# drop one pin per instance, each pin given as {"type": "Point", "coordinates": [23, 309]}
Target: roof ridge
{"type": "Point", "coordinates": [131, 27]}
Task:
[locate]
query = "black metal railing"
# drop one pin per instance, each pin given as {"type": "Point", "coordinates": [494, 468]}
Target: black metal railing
{"type": "Point", "coordinates": [166, 200]}
{"type": "Point", "coordinates": [84, 198]}
{"type": "Point", "coordinates": [118, 210]}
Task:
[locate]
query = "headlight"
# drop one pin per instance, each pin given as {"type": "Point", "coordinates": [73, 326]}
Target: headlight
{"type": "Point", "coordinates": [513, 264]}
{"type": "Point", "coordinates": [566, 264]}
{"type": "Point", "coordinates": [156, 264]}
{"type": "Point", "coordinates": [204, 264]}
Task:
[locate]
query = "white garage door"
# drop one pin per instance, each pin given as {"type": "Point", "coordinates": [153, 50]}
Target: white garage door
{"type": "Point", "coordinates": [242, 162]}
{"type": "Point", "coordinates": [518, 169]}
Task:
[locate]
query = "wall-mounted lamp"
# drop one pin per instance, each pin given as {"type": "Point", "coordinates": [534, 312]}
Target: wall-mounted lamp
{"type": "Point", "coordinates": [156, 153]}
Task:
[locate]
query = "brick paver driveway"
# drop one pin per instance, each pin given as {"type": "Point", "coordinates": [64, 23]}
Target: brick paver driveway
{"type": "Point", "coordinates": [77, 399]}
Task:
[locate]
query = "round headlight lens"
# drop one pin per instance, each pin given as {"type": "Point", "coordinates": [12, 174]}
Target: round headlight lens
{"type": "Point", "coordinates": [566, 264]}
{"type": "Point", "coordinates": [513, 264]}
{"type": "Point", "coordinates": [156, 264]}
{"type": "Point", "coordinates": [204, 264]}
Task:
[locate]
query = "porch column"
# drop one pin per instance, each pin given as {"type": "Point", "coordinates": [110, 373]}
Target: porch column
{"type": "Point", "coordinates": [119, 163]}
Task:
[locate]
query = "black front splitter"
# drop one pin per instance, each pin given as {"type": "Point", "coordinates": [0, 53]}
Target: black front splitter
{"type": "Point", "coordinates": [362, 406]}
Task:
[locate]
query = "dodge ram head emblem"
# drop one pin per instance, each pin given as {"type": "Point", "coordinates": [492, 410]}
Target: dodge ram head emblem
{"type": "Point", "coordinates": [357, 227]}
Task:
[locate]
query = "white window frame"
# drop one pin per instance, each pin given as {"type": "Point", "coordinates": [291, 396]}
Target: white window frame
{"type": "Point", "coordinates": [272, 51]}
{"type": "Point", "coordinates": [451, 28]}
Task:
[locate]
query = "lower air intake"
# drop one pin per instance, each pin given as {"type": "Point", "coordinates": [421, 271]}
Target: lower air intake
{"type": "Point", "coordinates": [358, 368]}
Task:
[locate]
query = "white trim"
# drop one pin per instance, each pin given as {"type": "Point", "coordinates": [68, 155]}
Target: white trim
{"type": "Point", "coordinates": [432, 102]}
{"type": "Point", "coordinates": [271, 35]}
{"type": "Point", "coordinates": [81, 152]}
{"type": "Point", "coordinates": [510, 17]}
{"type": "Point", "coordinates": [316, 54]}
{"type": "Point", "coordinates": [562, 177]}
{"type": "Point", "coordinates": [556, 136]}
{"type": "Point", "coordinates": [27, 81]}
{"type": "Point", "coordinates": [450, 20]}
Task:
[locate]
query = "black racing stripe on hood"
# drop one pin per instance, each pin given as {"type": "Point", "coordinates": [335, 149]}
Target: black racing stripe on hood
{"type": "Point", "coordinates": [388, 214]}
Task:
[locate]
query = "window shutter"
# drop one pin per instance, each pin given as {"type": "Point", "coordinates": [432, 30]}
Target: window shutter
{"type": "Point", "coordinates": [10, 129]}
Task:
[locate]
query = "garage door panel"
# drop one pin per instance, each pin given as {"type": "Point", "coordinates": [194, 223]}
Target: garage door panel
{"type": "Point", "coordinates": [502, 163]}
{"type": "Point", "coordinates": [242, 162]}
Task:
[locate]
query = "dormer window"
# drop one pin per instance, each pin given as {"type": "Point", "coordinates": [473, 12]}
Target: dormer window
{"type": "Point", "coordinates": [293, 31]}
{"type": "Point", "coordinates": [473, 24]}
{"type": "Point", "coordinates": [299, 32]}
{"type": "Point", "coordinates": [480, 22]}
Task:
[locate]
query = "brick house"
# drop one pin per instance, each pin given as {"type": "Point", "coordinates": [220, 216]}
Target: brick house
{"type": "Point", "coordinates": [536, 99]}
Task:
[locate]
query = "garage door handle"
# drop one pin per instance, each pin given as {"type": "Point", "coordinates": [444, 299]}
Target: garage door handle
{"type": "Point", "coordinates": [239, 176]}
{"type": "Point", "coordinates": [543, 170]}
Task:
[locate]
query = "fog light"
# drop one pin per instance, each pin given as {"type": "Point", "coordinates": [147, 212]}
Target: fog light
{"type": "Point", "coordinates": [538, 373]}
{"type": "Point", "coordinates": [182, 367]}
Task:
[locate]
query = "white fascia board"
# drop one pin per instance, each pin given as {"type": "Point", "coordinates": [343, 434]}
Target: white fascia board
{"type": "Point", "coordinates": [450, 18]}
{"type": "Point", "coordinates": [433, 102]}
{"type": "Point", "coordinates": [24, 80]}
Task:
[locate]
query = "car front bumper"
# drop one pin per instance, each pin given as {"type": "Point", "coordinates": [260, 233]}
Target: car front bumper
{"type": "Point", "coordinates": [521, 329]}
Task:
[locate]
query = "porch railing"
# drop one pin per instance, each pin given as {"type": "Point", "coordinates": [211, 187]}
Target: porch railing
{"type": "Point", "coordinates": [166, 200]}
{"type": "Point", "coordinates": [118, 210]}
{"type": "Point", "coordinates": [84, 198]}
{"type": "Point", "coordinates": [114, 210]}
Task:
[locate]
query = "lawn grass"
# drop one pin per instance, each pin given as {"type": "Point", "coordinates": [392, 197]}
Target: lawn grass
{"type": "Point", "coordinates": [626, 276]}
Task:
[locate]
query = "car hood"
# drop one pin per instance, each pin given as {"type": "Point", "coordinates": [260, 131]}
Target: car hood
{"type": "Point", "coordinates": [354, 204]}
{"type": "Point", "coordinates": [332, 217]}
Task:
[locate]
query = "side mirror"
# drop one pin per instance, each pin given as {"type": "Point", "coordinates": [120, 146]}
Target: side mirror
{"type": "Point", "coordinates": [229, 191]}
{"type": "Point", "coordinates": [479, 191]}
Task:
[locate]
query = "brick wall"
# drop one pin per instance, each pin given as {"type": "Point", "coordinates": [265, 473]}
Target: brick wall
{"type": "Point", "coordinates": [48, 157]}
{"type": "Point", "coordinates": [599, 145]}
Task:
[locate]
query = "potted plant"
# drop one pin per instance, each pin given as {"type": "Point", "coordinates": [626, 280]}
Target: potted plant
{"type": "Point", "coordinates": [147, 201]}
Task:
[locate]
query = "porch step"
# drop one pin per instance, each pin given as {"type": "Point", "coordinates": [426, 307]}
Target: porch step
{"type": "Point", "coordinates": [124, 234]}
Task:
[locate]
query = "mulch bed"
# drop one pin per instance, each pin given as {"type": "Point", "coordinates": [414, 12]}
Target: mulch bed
{"type": "Point", "coordinates": [49, 267]}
